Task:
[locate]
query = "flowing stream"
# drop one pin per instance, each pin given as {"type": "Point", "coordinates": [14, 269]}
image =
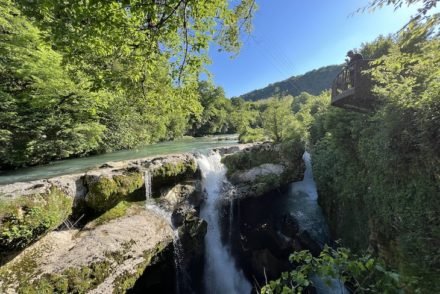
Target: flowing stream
{"type": "Point", "coordinates": [78, 165]}
{"type": "Point", "coordinates": [221, 273]}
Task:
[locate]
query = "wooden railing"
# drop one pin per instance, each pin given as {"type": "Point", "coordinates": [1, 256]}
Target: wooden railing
{"type": "Point", "coordinates": [350, 77]}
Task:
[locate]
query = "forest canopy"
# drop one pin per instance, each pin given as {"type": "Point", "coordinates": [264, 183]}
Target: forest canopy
{"type": "Point", "coordinates": [82, 77]}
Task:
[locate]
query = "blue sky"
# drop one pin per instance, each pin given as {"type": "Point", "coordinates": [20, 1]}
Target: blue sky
{"type": "Point", "coordinates": [291, 37]}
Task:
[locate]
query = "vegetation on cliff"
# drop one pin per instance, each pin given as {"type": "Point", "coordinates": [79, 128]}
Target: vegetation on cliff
{"type": "Point", "coordinates": [358, 274]}
{"type": "Point", "coordinates": [379, 173]}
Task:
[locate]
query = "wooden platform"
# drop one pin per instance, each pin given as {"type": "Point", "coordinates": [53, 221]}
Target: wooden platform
{"type": "Point", "coordinates": [351, 89]}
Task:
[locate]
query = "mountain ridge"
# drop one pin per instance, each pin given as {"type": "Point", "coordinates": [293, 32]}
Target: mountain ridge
{"type": "Point", "coordinates": [312, 82]}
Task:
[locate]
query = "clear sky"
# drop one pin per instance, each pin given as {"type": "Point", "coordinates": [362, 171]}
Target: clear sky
{"type": "Point", "coordinates": [291, 37]}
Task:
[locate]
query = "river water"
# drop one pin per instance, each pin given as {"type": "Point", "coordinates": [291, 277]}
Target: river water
{"type": "Point", "coordinates": [78, 165]}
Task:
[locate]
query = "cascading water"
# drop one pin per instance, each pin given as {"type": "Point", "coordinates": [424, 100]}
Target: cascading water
{"type": "Point", "coordinates": [303, 205]}
{"type": "Point", "coordinates": [147, 182]}
{"type": "Point", "coordinates": [221, 273]}
{"type": "Point", "coordinates": [178, 258]}
{"type": "Point", "coordinates": [231, 218]}
{"type": "Point", "coordinates": [177, 244]}
{"type": "Point", "coordinates": [305, 208]}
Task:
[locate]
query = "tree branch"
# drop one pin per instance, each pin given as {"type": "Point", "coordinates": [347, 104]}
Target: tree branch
{"type": "Point", "coordinates": [185, 56]}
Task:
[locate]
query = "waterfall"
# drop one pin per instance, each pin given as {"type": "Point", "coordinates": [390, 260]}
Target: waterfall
{"type": "Point", "coordinates": [178, 258]}
{"type": "Point", "coordinates": [231, 217]}
{"type": "Point", "coordinates": [221, 274]}
{"type": "Point", "coordinates": [304, 206]}
{"type": "Point", "coordinates": [147, 182]}
{"type": "Point", "coordinates": [177, 244]}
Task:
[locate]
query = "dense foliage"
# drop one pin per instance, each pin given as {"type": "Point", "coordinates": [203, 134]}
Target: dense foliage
{"type": "Point", "coordinates": [378, 173]}
{"type": "Point", "coordinates": [338, 268]}
{"type": "Point", "coordinates": [80, 77]}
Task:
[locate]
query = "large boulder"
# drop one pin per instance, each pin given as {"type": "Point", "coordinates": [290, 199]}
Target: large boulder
{"type": "Point", "coordinates": [264, 167]}
{"type": "Point", "coordinates": [105, 191]}
{"type": "Point", "coordinates": [101, 258]}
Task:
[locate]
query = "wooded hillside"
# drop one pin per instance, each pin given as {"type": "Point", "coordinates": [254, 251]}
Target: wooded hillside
{"type": "Point", "coordinates": [312, 82]}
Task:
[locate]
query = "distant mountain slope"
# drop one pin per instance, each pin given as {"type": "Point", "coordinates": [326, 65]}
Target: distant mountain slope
{"type": "Point", "coordinates": [312, 82]}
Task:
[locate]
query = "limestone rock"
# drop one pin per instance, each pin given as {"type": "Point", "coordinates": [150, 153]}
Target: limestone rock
{"type": "Point", "coordinates": [106, 257]}
{"type": "Point", "coordinates": [260, 168]}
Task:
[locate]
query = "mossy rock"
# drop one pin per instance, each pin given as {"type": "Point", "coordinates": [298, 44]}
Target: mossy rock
{"type": "Point", "coordinates": [106, 192]}
{"type": "Point", "coordinates": [288, 153]}
{"type": "Point", "coordinates": [26, 218]}
{"type": "Point", "coordinates": [113, 213]}
{"type": "Point", "coordinates": [266, 183]}
{"type": "Point", "coordinates": [127, 279]}
{"type": "Point", "coordinates": [248, 159]}
{"type": "Point", "coordinates": [82, 279]}
{"type": "Point", "coordinates": [171, 173]}
{"type": "Point", "coordinates": [71, 280]}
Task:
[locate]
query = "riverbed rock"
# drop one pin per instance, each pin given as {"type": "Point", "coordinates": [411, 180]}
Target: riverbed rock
{"type": "Point", "coordinates": [192, 231]}
{"type": "Point", "coordinates": [187, 191]}
{"type": "Point", "coordinates": [115, 242]}
{"type": "Point", "coordinates": [260, 168]}
{"type": "Point", "coordinates": [96, 259]}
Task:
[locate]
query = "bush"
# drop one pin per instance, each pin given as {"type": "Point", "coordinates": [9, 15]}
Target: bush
{"type": "Point", "coordinates": [359, 274]}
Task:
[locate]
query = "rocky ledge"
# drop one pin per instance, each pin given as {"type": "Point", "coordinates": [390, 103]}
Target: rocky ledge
{"type": "Point", "coordinates": [91, 232]}
{"type": "Point", "coordinates": [261, 168]}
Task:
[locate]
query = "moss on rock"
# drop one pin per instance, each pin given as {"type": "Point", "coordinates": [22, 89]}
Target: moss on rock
{"type": "Point", "coordinates": [26, 218]}
{"type": "Point", "coordinates": [127, 279]}
{"type": "Point", "coordinates": [113, 213]}
{"type": "Point", "coordinates": [248, 159]}
{"type": "Point", "coordinates": [266, 183]}
{"type": "Point", "coordinates": [170, 173]}
{"type": "Point", "coordinates": [265, 167]}
{"type": "Point", "coordinates": [72, 280]}
{"type": "Point", "coordinates": [106, 193]}
{"type": "Point", "coordinates": [288, 153]}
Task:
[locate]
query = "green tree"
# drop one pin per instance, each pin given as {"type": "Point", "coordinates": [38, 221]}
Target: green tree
{"type": "Point", "coordinates": [278, 120]}
{"type": "Point", "coordinates": [91, 76]}
{"type": "Point", "coordinates": [46, 113]}
{"type": "Point", "coordinates": [215, 118]}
